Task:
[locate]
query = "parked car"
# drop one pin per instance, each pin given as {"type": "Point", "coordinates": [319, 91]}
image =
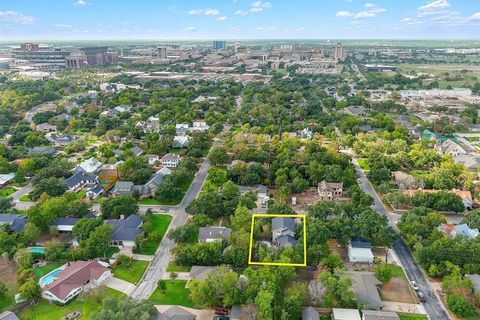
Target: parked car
{"type": "Point", "coordinates": [414, 285]}
{"type": "Point", "coordinates": [421, 296]}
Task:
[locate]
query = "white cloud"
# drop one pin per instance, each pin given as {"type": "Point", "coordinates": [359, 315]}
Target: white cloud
{"type": "Point", "coordinates": [221, 18]}
{"type": "Point", "coordinates": [16, 17]}
{"type": "Point", "coordinates": [369, 5]}
{"type": "Point", "coordinates": [475, 16]}
{"type": "Point", "coordinates": [406, 19]}
{"type": "Point", "coordinates": [432, 13]}
{"type": "Point", "coordinates": [60, 25]}
{"type": "Point", "coordinates": [206, 12]}
{"type": "Point", "coordinates": [81, 2]}
{"type": "Point", "coordinates": [365, 14]}
{"type": "Point", "coordinates": [257, 6]}
{"type": "Point", "coordinates": [344, 14]}
{"type": "Point", "coordinates": [190, 29]}
{"type": "Point", "coordinates": [435, 5]}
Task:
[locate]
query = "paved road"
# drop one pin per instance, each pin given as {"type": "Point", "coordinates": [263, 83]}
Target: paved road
{"type": "Point", "coordinates": [161, 258]}
{"type": "Point", "coordinates": [433, 306]}
{"type": "Point", "coordinates": [17, 195]}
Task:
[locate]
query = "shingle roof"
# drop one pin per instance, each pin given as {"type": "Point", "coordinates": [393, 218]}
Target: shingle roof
{"type": "Point", "coordinates": [365, 286]}
{"type": "Point", "coordinates": [16, 221]}
{"type": "Point", "coordinates": [74, 276]}
{"type": "Point", "coordinates": [126, 229]}
{"type": "Point", "coordinates": [279, 223]}
{"type": "Point", "coordinates": [360, 243]}
{"type": "Point", "coordinates": [310, 314]}
{"type": "Point", "coordinates": [177, 313]}
{"type": "Point", "coordinates": [79, 177]}
{"type": "Point", "coordinates": [205, 233]}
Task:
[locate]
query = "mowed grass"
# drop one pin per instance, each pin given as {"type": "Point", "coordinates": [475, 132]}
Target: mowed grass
{"type": "Point", "coordinates": [174, 267]}
{"type": "Point", "coordinates": [411, 316]}
{"type": "Point", "coordinates": [132, 274]}
{"type": "Point", "coordinates": [160, 223]}
{"type": "Point", "coordinates": [43, 270]}
{"type": "Point", "coordinates": [45, 310]}
{"type": "Point", "coordinates": [175, 294]}
{"type": "Point", "coordinates": [7, 191]}
{"type": "Point", "coordinates": [25, 198]}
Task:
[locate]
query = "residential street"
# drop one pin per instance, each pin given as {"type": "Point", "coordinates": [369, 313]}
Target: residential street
{"type": "Point", "coordinates": [433, 306]}
{"type": "Point", "coordinates": [161, 258]}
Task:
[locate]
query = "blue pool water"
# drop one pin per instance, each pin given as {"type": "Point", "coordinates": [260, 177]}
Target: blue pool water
{"type": "Point", "coordinates": [49, 278]}
{"type": "Point", "coordinates": [37, 250]}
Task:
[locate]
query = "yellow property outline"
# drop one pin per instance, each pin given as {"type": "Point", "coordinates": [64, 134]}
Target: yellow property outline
{"type": "Point", "coordinates": [258, 215]}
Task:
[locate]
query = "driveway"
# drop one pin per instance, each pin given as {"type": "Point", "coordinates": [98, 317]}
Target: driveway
{"type": "Point", "coordinates": [120, 285]}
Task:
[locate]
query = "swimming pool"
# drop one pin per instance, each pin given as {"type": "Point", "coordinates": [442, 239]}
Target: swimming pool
{"type": "Point", "coordinates": [49, 277]}
{"type": "Point", "coordinates": [37, 250]}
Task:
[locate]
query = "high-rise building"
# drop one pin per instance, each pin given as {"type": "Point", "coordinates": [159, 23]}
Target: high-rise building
{"type": "Point", "coordinates": [339, 52]}
{"type": "Point", "coordinates": [162, 52]}
{"type": "Point", "coordinates": [219, 45]}
{"type": "Point", "coordinates": [41, 57]}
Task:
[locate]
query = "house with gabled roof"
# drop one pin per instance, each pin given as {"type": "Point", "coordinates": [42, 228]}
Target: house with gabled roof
{"type": "Point", "coordinates": [73, 278]}
{"type": "Point", "coordinates": [79, 180]}
{"type": "Point", "coordinates": [360, 251]}
{"type": "Point", "coordinates": [283, 232]}
{"type": "Point", "coordinates": [125, 231]}
{"type": "Point", "coordinates": [15, 221]}
{"type": "Point", "coordinates": [211, 234]}
{"type": "Point", "coordinates": [330, 190]}
{"type": "Point", "coordinates": [90, 165]}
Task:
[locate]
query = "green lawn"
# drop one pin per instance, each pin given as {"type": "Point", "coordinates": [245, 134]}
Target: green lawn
{"type": "Point", "coordinates": [5, 192]}
{"type": "Point", "coordinates": [173, 267]}
{"type": "Point", "coordinates": [363, 163]}
{"type": "Point", "coordinates": [43, 270]}
{"type": "Point", "coordinates": [411, 316]}
{"type": "Point", "coordinates": [160, 223]}
{"type": "Point", "coordinates": [25, 198]}
{"type": "Point", "coordinates": [176, 150]}
{"type": "Point", "coordinates": [397, 271]}
{"type": "Point", "coordinates": [149, 202]}
{"type": "Point", "coordinates": [45, 310]}
{"type": "Point", "coordinates": [8, 301]}
{"type": "Point", "coordinates": [175, 294]}
{"type": "Point", "coordinates": [133, 273]}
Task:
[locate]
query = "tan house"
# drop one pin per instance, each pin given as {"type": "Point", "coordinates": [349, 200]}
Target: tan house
{"type": "Point", "coordinates": [330, 190]}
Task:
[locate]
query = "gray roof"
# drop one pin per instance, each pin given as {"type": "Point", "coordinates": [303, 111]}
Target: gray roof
{"type": "Point", "coordinates": [235, 312]}
{"type": "Point", "coordinates": [201, 272]}
{"type": "Point", "coordinates": [280, 223]}
{"type": "Point", "coordinates": [8, 315]}
{"type": "Point", "coordinates": [44, 150]}
{"type": "Point", "coordinates": [137, 150]}
{"type": "Point", "coordinates": [171, 156]}
{"type": "Point", "coordinates": [286, 240]}
{"type": "Point", "coordinates": [379, 315]}
{"type": "Point", "coordinates": [126, 229]}
{"type": "Point", "coordinates": [205, 233]}
{"type": "Point", "coordinates": [65, 221]}
{"type": "Point", "coordinates": [310, 314]}
{"type": "Point", "coordinates": [177, 313]}
{"type": "Point", "coordinates": [16, 221]}
{"type": "Point", "coordinates": [123, 187]}
{"type": "Point", "coordinates": [80, 177]}
{"type": "Point", "coordinates": [365, 286]}
{"type": "Point", "coordinates": [359, 243]}
{"type": "Point", "coordinates": [155, 181]}
{"type": "Point", "coordinates": [96, 188]}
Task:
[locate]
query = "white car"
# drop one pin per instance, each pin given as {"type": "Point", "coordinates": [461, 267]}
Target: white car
{"type": "Point", "coordinates": [414, 285]}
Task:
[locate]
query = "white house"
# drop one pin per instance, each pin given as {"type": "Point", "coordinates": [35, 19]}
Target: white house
{"type": "Point", "coordinates": [451, 147]}
{"type": "Point", "coordinates": [63, 284]}
{"type": "Point", "coordinates": [360, 251]}
{"type": "Point", "coordinates": [90, 165]}
{"type": "Point", "coordinates": [211, 234]}
{"type": "Point", "coordinates": [6, 178]}
{"type": "Point", "coordinates": [200, 125]}
{"type": "Point", "coordinates": [181, 141]}
{"type": "Point", "coordinates": [170, 160]}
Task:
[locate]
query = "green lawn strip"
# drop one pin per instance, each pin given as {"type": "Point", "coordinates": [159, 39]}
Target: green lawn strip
{"type": "Point", "coordinates": [397, 271]}
{"type": "Point", "coordinates": [176, 150]}
{"type": "Point", "coordinates": [149, 202]}
{"type": "Point", "coordinates": [131, 274]}
{"type": "Point", "coordinates": [7, 191]}
{"type": "Point", "coordinates": [8, 301]}
{"type": "Point", "coordinates": [174, 267]}
{"type": "Point", "coordinates": [175, 294]}
{"type": "Point", "coordinates": [412, 316]}
{"type": "Point", "coordinates": [45, 310]}
{"type": "Point", "coordinates": [25, 198]}
{"type": "Point", "coordinates": [160, 223]}
{"type": "Point", "coordinates": [43, 270]}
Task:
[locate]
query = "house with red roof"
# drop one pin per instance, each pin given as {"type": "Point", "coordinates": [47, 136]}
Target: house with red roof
{"type": "Point", "coordinates": [63, 284]}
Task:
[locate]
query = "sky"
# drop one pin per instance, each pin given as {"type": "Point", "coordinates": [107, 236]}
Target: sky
{"type": "Point", "coordinates": [238, 19]}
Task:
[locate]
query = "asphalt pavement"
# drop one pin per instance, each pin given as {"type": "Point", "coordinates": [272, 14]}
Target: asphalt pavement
{"type": "Point", "coordinates": [433, 306]}
{"type": "Point", "coordinates": [162, 256]}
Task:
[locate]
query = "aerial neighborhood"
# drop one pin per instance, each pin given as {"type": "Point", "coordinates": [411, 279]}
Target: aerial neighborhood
{"type": "Point", "coordinates": [238, 180]}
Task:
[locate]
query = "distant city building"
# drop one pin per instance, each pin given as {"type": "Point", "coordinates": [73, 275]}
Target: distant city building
{"type": "Point", "coordinates": [219, 45]}
{"type": "Point", "coordinates": [42, 57]}
{"type": "Point", "coordinates": [99, 56]}
{"type": "Point", "coordinates": [29, 47]}
{"type": "Point", "coordinates": [339, 52]}
{"type": "Point", "coordinates": [162, 52]}
{"type": "Point", "coordinates": [76, 62]}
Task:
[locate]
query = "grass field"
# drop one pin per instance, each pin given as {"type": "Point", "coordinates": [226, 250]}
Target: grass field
{"type": "Point", "coordinates": [160, 223]}
{"type": "Point", "coordinates": [44, 310]}
{"type": "Point", "coordinates": [175, 294]}
{"type": "Point", "coordinates": [149, 202]}
{"type": "Point", "coordinates": [173, 267]}
{"type": "Point", "coordinates": [5, 192]}
{"type": "Point", "coordinates": [363, 163]}
{"type": "Point", "coordinates": [411, 316]}
{"type": "Point", "coordinates": [41, 271]}
{"type": "Point", "coordinates": [25, 198]}
{"type": "Point", "coordinates": [132, 274]}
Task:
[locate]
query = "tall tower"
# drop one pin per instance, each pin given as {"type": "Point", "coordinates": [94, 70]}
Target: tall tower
{"type": "Point", "coordinates": [338, 52]}
{"type": "Point", "coordinates": [162, 52]}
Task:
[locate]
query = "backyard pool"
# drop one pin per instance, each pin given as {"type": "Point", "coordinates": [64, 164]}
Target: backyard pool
{"type": "Point", "coordinates": [37, 250]}
{"type": "Point", "coordinates": [49, 277]}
